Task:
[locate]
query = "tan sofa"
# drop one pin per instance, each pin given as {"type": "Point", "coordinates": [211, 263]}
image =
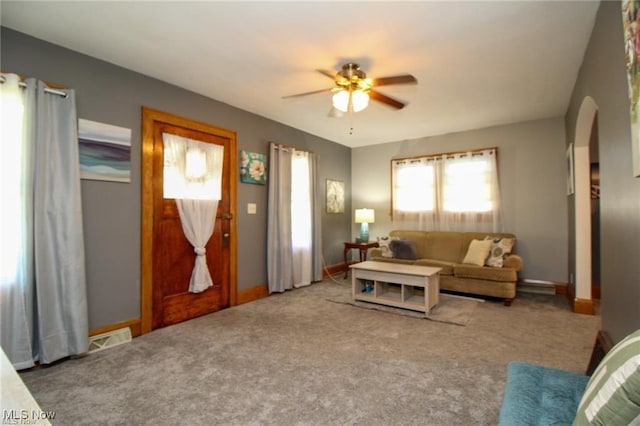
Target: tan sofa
{"type": "Point", "coordinates": [447, 250]}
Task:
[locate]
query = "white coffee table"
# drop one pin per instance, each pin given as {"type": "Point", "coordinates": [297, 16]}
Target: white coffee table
{"type": "Point", "coordinates": [403, 286]}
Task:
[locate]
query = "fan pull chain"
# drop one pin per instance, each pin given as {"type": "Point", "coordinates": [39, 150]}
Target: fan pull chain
{"type": "Point", "coordinates": [350, 111]}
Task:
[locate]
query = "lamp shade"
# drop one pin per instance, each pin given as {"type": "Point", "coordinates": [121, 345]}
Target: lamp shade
{"type": "Point", "coordinates": [365, 216]}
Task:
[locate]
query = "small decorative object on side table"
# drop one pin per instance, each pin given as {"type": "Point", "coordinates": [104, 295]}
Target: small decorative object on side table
{"type": "Point", "coordinates": [362, 247]}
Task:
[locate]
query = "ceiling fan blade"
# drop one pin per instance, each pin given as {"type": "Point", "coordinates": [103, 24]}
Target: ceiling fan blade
{"type": "Point", "coordinates": [308, 93]}
{"type": "Point", "coordinates": [330, 74]}
{"type": "Point", "coordinates": [386, 99]}
{"type": "Point", "coordinates": [396, 79]}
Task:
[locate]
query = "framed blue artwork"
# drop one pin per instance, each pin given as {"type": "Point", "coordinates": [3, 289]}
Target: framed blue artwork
{"type": "Point", "coordinates": [253, 167]}
{"type": "Point", "coordinates": [105, 151]}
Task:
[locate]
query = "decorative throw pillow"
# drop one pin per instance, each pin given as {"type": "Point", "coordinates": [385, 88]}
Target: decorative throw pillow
{"type": "Point", "coordinates": [500, 247]}
{"type": "Point", "coordinates": [612, 396]}
{"type": "Point", "coordinates": [383, 243]}
{"type": "Point", "coordinates": [477, 252]}
{"type": "Point", "coordinates": [403, 249]}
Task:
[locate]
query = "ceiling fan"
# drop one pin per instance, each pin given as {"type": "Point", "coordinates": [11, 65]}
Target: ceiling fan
{"type": "Point", "coordinates": [353, 89]}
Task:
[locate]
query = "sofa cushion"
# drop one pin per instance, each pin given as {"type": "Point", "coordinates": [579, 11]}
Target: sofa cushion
{"type": "Point", "coordinates": [477, 252]}
{"type": "Point", "coordinates": [403, 249]}
{"type": "Point", "coordinates": [537, 395]}
{"type": "Point", "coordinates": [499, 248]}
{"type": "Point", "coordinates": [612, 396]}
{"type": "Point", "coordinates": [485, 273]}
{"type": "Point", "coordinates": [446, 267]}
{"type": "Point", "coordinates": [441, 245]}
{"type": "Point", "coordinates": [383, 244]}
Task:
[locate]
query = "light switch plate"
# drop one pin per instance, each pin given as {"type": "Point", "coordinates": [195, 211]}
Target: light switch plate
{"type": "Point", "coordinates": [251, 208]}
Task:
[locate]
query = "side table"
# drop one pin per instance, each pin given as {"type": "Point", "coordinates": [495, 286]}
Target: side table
{"type": "Point", "coordinates": [362, 247]}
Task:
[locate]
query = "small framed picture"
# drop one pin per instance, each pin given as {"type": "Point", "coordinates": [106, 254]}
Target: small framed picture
{"type": "Point", "coordinates": [335, 196]}
{"type": "Point", "coordinates": [570, 179]}
{"type": "Point", "coordinates": [105, 151]}
{"type": "Point", "coordinates": [630, 17]}
{"type": "Point", "coordinates": [253, 167]}
{"type": "Point", "coordinates": [595, 180]}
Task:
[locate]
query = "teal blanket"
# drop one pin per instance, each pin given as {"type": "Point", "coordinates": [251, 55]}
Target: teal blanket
{"type": "Point", "coordinates": [541, 396]}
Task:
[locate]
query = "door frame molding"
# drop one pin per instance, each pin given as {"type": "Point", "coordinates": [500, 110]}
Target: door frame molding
{"type": "Point", "coordinates": [581, 204]}
{"type": "Point", "coordinates": [149, 117]}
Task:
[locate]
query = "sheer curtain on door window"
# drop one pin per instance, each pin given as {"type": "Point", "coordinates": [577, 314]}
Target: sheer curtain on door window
{"type": "Point", "coordinates": [43, 301]}
{"type": "Point", "coordinates": [193, 176]}
{"type": "Point", "coordinates": [293, 235]}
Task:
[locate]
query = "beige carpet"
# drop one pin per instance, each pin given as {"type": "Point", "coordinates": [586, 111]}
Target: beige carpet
{"type": "Point", "coordinates": [298, 359]}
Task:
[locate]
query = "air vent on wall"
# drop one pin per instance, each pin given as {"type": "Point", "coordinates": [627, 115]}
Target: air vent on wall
{"type": "Point", "coordinates": [109, 339]}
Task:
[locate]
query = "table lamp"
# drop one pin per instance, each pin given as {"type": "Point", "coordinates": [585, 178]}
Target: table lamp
{"type": "Point", "coordinates": [365, 217]}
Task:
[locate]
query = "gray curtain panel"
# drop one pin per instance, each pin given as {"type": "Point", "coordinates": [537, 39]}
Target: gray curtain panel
{"type": "Point", "coordinates": [52, 322]}
{"type": "Point", "coordinates": [279, 244]}
{"type": "Point", "coordinates": [316, 220]}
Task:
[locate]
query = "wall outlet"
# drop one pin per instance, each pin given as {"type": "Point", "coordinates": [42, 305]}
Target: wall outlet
{"type": "Point", "coordinates": [252, 208]}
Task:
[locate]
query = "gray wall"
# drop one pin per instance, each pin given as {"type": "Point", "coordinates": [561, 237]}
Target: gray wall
{"type": "Point", "coordinates": [114, 95]}
{"type": "Point", "coordinates": [532, 174]}
{"type": "Point", "coordinates": [603, 77]}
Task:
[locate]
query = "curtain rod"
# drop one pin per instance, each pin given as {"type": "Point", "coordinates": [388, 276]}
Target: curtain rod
{"type": "Point", "coordinates": [287, 148]}
{"type": "Point", "coordinates": [23, 85]}
{"type": "Point", "coordinates": [473, 152]}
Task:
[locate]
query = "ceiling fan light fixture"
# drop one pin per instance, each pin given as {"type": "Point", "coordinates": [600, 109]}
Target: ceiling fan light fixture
{"type": "Point", "coordinates": [358, 99]}
{"type": "Point", "coordinates": [341, 100]}
{"type": "Point", "coordinates": [352, 89]}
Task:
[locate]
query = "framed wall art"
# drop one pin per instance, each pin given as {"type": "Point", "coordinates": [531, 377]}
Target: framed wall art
{"type": "Point", "coordinates": [570, 178]}
{"type": "Point", "coordinates": [595, 180]}
{"type": "Point", "coordinates": [105, 151]}
{"type": "Point", "coordinates": [335, 196]}
{"type": "Point", "coordinates": [630, 22]}
{"type": "Point", "coordinates": [253, 167]}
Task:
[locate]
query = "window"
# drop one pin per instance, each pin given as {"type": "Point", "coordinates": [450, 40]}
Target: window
{"type": "Point", "coordinates": [452, 192]}
{"type": "Point", "coordinates": [300, 201]}
{"type": "Point", "coordinates": [192, 169]}
{"type": "Point", "coordinates": [414, 186]}
{"type": "Point", "coordinates": [13, 188]}
{"type": "Point", "coordinates": [467, 186]}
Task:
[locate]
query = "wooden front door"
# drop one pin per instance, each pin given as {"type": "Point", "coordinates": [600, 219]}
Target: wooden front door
{"type": "Point", "coordinates": [168, 258]}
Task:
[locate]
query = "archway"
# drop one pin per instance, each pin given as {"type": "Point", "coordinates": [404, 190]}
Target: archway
{"type": "Point", "coordinates": [582, 299]}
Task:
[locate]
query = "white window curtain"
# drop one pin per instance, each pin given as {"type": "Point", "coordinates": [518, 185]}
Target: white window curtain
{"type": "Point", "coordinates": [294, 233]}
{"type": "Point", "coordinates": [452, 192]}
{"type": "Point", "coordinates": [193, 176]}
{"type": "Point", "coordinates": [43, 303]}
{"type": "Point", "coordinates": [414, 193]}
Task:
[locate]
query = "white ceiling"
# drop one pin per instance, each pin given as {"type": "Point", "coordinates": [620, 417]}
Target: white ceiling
{"type": "Point", "coordinates": [477, 63]}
